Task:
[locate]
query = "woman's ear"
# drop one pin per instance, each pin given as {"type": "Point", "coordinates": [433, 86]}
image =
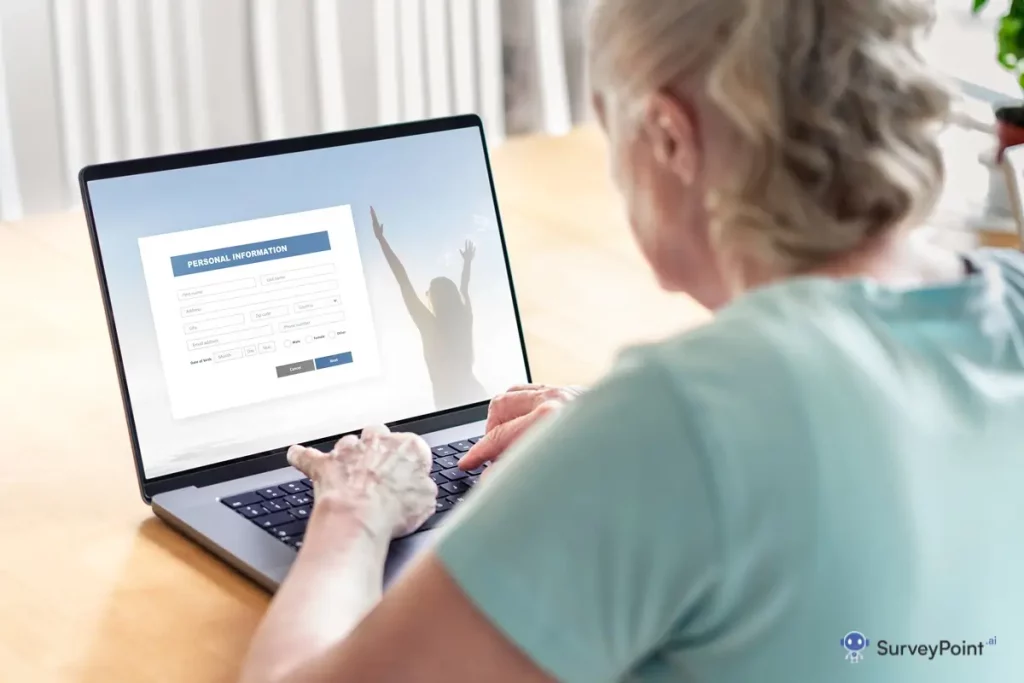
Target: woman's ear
{"type": "Point", "coordinates": [671, 129]}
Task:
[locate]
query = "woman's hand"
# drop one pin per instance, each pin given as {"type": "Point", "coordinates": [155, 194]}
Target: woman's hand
{"type": "Point", "coordinates": [468, 252]}
{"type": "Point", "coordinates": [378, 227]}
{"type": "Point", "coordinates": [383, 478]}
{"type": "Point", "coordinates": [511, 414]}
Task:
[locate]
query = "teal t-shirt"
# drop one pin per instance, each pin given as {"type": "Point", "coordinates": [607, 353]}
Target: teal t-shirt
{"type": "Point", "coordinates": [826, 457]}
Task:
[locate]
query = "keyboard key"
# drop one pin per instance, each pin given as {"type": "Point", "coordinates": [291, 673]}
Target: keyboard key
{"type": "Point", "coordinates": [438, 478]}
{"type": "Point", "coordinates": [296, 528]}
{"type": "Point", "coordinates": [461, 446]}
{"type": "Point", "coordinates": [477, 470]}
{"type": "Point", "coordinates": [455, 500]}
{"type": "Point", "coordinates": [447, 462]}
{"type": "Point", "coordinates": [434, 521]}
{"type": "Point", "coordinates": [242, 500]}
{"type": "Point", "coordinates": [271, 493]}
{"type": "Point", "coordinates": [472, 481]}
{"type": "Point", "coordinates": [434, 467]}
{"type": "Point", "coordinates": [294, 487]}
{"type": "Point", "coordinates": [442, 451]}
{"type": "Point", "coordinates": [274, 519]}
{"type": "Point", "coordinates": [300, 499]}
{"type": "Point", "coordinates": [252, 511]}
{"type": "Point", "coordinates": [300, 513]}
{"type": "Point", "coordinates": [475, 439]}
{"type": "Point", "coordinates": [442, 504]}
{"type": "Point", "coordinates": [307, 483]}
{"type": "Point", "coordinates": [454, 474]}
{"type": "Point", "coordinates": [454, 487]}
{"type": "Point", "coordinates": [276, 505]}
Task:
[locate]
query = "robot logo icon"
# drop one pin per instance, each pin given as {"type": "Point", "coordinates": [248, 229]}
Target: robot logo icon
{"type": "Point", "coordinates": [855, 643]}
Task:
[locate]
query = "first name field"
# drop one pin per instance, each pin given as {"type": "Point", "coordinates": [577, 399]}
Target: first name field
{"type": "Point", "coordinates": [248, 254]}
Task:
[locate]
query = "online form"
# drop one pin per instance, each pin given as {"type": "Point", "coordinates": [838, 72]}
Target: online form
{"type": "Point", "coordinates": [252, 311]}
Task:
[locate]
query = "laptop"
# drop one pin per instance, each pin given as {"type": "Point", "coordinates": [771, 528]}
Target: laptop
{"type": "Point", "coordinates": [296, 291]}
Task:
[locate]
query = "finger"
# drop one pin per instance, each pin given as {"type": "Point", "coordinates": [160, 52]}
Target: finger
{"type": "Point", "coordinates": [525, 387]}
{"type": "Point", "coordinates": [304, 459]}
{"type": "Point", "coordinates": [373, 433]}
{"type": "Point", "coordinates": [425, 459]}
{"type": "Point", "coordinates": [497, 441]}
{"type": "Point", "coordinates": [511, 405]}
{"type": "Point", "coordinates": [346, 442]}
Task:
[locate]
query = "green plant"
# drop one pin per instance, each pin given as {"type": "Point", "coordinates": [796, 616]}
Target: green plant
{"type": "Point", "coordinates": [1010, 37]}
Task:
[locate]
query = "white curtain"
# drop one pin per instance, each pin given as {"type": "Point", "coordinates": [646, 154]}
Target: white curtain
{"type": "Point", "coordinates": [84, 81]}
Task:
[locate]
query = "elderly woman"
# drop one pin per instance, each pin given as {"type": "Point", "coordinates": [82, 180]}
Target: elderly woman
{"type": "Point", "coordinates": [839, 451]}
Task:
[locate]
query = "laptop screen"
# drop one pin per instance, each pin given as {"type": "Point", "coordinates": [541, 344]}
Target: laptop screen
{"type": "Point", "coordinates": [282, 299]}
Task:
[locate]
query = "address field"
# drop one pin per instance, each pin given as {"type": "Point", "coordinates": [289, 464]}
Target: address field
{"type": "Point", "coordinates": [250, 300]}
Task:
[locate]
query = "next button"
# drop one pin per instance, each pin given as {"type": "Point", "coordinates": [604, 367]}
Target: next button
{"type": "Point", "coordinates": [333, 361]}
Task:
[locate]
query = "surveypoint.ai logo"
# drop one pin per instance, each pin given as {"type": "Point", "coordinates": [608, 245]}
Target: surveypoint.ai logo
{"type": "Point", "coordinates": [856, 643]}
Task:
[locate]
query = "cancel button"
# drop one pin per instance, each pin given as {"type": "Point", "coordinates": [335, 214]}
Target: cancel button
{"type": "Point", "coordinates": [296, 368]}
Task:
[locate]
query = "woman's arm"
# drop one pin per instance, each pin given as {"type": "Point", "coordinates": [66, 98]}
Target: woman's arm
{"type": "Point", "coordinates": [419, 312]}
{"type": "Point", "coordinates": [467, 263]}
{"type": "Point", "coordinates": [426, 631]}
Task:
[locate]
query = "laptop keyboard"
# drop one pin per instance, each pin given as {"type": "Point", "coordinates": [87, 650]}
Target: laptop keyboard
{"type": "Point", "coordinates": [283, 510]}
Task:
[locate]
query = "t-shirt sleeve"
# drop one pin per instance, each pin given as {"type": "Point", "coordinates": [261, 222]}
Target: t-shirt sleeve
{"type": "Point", "coordinates": [595, 539]}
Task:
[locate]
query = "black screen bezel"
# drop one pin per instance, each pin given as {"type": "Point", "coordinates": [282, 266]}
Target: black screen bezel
{"type": "Point", "coordinates": [268, 460]}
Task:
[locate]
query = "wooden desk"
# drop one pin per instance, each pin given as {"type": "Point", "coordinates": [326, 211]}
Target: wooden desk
{"type": "Point", "coordinates": [93, 589]}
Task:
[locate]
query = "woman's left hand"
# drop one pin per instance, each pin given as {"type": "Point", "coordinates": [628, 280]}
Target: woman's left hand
{"type": "Point", "coordinates": [384, 478]}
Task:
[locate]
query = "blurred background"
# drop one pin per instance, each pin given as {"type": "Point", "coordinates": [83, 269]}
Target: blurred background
{"type": "Point", "coordinates": [84, 81]}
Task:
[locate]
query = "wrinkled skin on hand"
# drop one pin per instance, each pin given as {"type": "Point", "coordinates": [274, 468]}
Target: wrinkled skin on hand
{"type": "Point", "coordinates": [384, 477]}
{"type": "Point", "coordinates": [511, 414]}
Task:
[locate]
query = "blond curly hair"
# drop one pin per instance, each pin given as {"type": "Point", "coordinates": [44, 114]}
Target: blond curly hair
{"type": "Point", "coordinates": [837, 114]}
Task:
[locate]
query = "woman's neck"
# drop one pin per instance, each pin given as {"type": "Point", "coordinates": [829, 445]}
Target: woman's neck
{"type": "Point", "coordinates": [906, 260]}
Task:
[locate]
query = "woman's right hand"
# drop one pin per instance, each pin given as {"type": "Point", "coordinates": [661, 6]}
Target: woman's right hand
{"type": "Point", "coordinates": [511, 414]}
{"type": "Point", "coordinates": [378, 227]}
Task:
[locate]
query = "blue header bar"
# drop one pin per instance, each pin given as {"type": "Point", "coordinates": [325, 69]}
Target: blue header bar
{"type": "Point", "coordinates": [247, 254]}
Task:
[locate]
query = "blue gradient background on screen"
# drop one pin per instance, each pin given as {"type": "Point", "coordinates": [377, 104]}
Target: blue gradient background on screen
{"type": "Point", "coordinates": [432, 192]}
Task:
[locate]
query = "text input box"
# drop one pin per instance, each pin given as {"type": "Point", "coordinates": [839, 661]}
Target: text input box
{"type": "Point", "coordinates": [214, 323]}
{"type": "Point", "coordinates": [310, 322]}
{"type": "Point", "coordinates": [272, 279]}
{"type": "Point", "coordinates": [265, 313]}
{"type": "Point", "coordinates": [317, 304]}
{"type": "Point", "coordinates": [221, 339]}
{"type": "Point", "coordinates": [250, 300]}
{"type": "Point", "coordinates": [216, 288]}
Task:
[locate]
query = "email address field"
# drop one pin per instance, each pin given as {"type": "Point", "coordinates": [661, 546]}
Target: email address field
{"type": "Point", "coordinates": [311, 322]}
{"type": "Point", "coordinates": [219, 340]}
{"type": "Point", "coordinates": [249, 300]}
{"type": "Point", "coordinates": [216, 288]}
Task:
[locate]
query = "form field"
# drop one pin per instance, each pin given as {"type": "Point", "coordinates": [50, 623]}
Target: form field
{"type": "Point", "coordinates": [214, 324]}
{"type": "Point", "coordinates": [231, 354]}
{"type": "Point", "coordinates": [250, 300]}
{"type": "Point", "coordinates": [311, 322]}
{"type": "Point", "coordinates": [216, 288]}
{"type": "Point", "coordinates": [317, 304]}
{"type": "Point", "coordinates": [263, 314]}
{"type": "Point", "coordinates": [220, 340]}
{"type": "Point", "coordinates": [297, 274]}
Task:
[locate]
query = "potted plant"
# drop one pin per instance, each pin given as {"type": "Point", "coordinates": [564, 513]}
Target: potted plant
{"type": "Point", "coordinates": [1009, 119]}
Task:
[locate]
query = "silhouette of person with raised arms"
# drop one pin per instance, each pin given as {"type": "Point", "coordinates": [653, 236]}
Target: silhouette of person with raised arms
{"type": "Point", "coordinates": [445, 323]}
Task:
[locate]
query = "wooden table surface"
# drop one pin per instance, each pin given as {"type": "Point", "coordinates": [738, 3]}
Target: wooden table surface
{"type": "Point", "coordinates": [93, 588]}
